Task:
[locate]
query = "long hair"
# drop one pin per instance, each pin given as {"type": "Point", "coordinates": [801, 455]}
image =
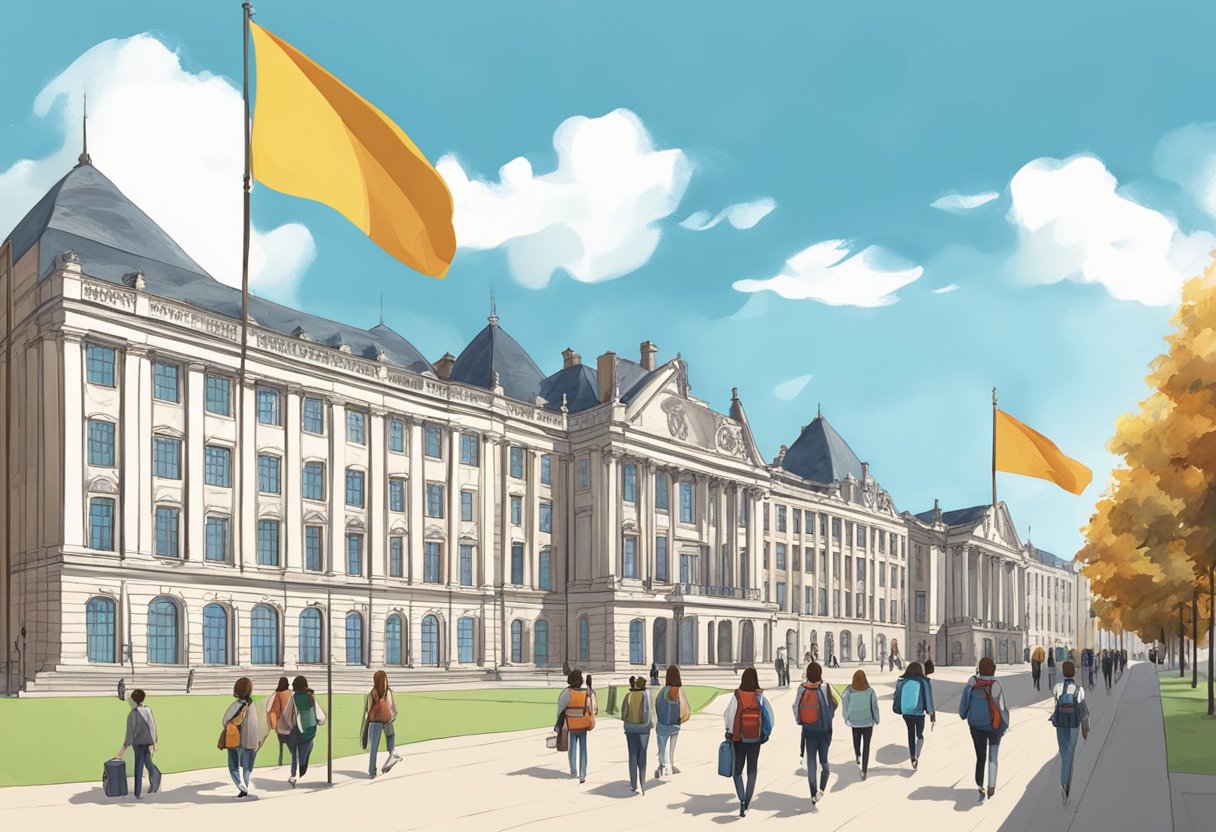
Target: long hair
{"type": "Point", "coordinates": [914, 671]}
{"type": "Point", "coordinates": [750, 681]}
{"type": "Point", "coordinates": [814, 672]}
{"type": "Point", "coordinates": [673, 676]}
{"type": "Point", "coordinates": [859, 681]}
{"type": "Point", "coordinates": [299, 684]}
{"type": "Point", "coordinates": [379, 686]}
{"type": "Point", "coordinates": [284, 684]}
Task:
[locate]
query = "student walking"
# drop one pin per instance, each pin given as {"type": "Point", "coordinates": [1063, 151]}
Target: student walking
{"type": "Point", "coordinates": [299, 720]}
{"type": "Point", "coordinates": [141, 738]}
{"type": "Point", "coordinates": [861, 714]}
{"type": "Point", "coordinates": [242, 734]}
{"type": "Point", "coordinates": [1108, 667]}
{"type": "Point", "coordinates": [274, 709]}
{"type": "Point", "coordinates": [749, 722]}
{"type": "Point", "coordinates": [983, 706]}
{"type": "Point", "coordinates": [576, 705]}
{"type": "Point", "coordinates": [671, 711]}
{"type": "Point", "coordinates": [1051, 669]}
{"type": "Point", "coordinates": [1070, 717]}
{"type": "Point", "coordinates": [635, 717]}
{"type": "Point", "coordinates": [1087, 661]}
{"type": "Point", "coordinates": [381, 712]}
{"type": "Point", "coordinates": [654, 674]}
{"type": "Point", "coordinates": [814, 708]}
{"type": "Point", "coordinates": [913, 700]}
{"type": "Point", "coordinates": [1036, 667]}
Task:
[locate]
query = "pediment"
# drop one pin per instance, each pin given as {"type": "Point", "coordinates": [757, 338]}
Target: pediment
{"type": "Point", "coordinates": [664, 409]}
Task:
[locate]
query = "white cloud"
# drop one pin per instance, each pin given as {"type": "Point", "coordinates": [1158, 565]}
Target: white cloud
{"type": "Point", "coordinates": [595, 216]}
{"type": "Point", "coordinates": [790, 389]}
{"type": "Point", "coordinates": [1074, 225]}
{"type": "Point", "coordinates": [1187, 156]}
{"type": "Point", "coordinates": [953, 287]}
{"type": "Point", "coordinates": [171, 141]}
{"type": "Point", "coordinates": [742, 215]}
{"type": "Point", "coordinates": [961, 203]}
{"type": "Point", "coordinates": [829, 273]}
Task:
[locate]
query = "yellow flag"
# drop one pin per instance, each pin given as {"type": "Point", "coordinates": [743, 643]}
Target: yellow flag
{"type": "Point", "coordinates": [314, 137]}
{"type": "Point", "coordinates": [1023, 450]}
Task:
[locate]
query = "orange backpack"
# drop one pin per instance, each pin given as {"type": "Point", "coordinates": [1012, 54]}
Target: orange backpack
{"type": "Point", "coordinates": [808, 705]}
{"type": "Point", "coordinates": [748, 716]}
{"type": "Point", "coordinates": [578, 712]}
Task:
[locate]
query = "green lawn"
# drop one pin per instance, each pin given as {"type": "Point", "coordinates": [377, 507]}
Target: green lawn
{"type": "Point", "coordinates": [67, 740]}
{"type": "Point", "coordinates": [1190, 735]}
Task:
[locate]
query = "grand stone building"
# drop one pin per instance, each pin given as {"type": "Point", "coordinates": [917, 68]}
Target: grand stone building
{"type": "Point", "coordinates": [465, 518]}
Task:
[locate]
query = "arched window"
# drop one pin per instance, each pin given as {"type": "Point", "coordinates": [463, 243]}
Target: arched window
{"type": "Point", "coordinates": [393, 631]}
{"type": "Point", "coordinates": [264, 635]}
{"type": "Point", "coordinates": [163, 617]}
{"type": "Point", "coordinates": [310, 636]}
{"type": "Point", "coordinates": [584, 640]}
{"type": "Point", "coordinates": [354, 638]}
{"type": "Point", "coordinates": [517, 641]}
{"type": "Point", "coordinates": [636, 654]}
{"type": "Point", "coordinates": [215, 634]}
{"type": "Point", "coordinates": [540, 637]}
{"type": "Point", "coordinates": [430, 641]}
{"type": "Point", "coordinates": [100, 629]}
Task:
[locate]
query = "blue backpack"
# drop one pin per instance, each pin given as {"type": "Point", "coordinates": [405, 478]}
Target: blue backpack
{"type": "Point", "coordinates": [668, 712]}
{"type": "Point", "coordinates": [909, 698]}
{"type": "Point", "coordinates": [1067, 713]}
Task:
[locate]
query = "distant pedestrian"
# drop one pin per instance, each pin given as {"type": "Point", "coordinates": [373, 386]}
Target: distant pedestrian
{"type": "Point", "coordinates": [122, 689]}
{"type": "Point", "coordinates": [749, 722]}
{"type": "Point", "coordinates": [1123, 659]}
{"type": "Point", "coordinates": [243, 735]}
{"type": "Point", "coordinates": [141, 738]}
{"type": "Point", "coordinates": [983, 706]}
{"type": "Point", "coordinates": [861, 652]}
{"type": "Point", "coordinates": [299, 720]}
{"type": "Point", "coordinates": [566, 667]}
{"type": "Point", "coordinates": [1051, 669]}
{"type": "Point", "coordinates": [1087, 662]}
{"type": "Point", "coordinates": [1036, 667]}
{"type": "Point", "coordinates": [779, 667]}
{"type": "Point", "coordinates": [1071, 715]}
{"type": "Point", "coordinates": [577, 704]}
{"type": "Point", "coordinates": [671, 711]}
{"type": "Point", "coordinates": [1108, 667]}
{"type": "Point", "coordinates": [654, 674]}
{"type": "Point", "coordinates": [636, 720]}
{"type": "Point", "coordinates": [381, 713]}
{"type": "Point", "coordinates": [274, 709]}
{"type": "Point", "coordinates": [913, 700]}
{"type": "Point", "coordinates": [929, 667]}
{"type": "Point", "coordinates": [861, 714]}
{"type": "Point", "coordinates": [814, 707]}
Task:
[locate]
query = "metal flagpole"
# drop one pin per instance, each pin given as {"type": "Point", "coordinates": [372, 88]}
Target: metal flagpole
{"type": "Point", "coordinates": [329, 686]}
{"type": "Point", "coordinates": [247, 15]}
{"type": "Point", "coordinates": [993, 449]}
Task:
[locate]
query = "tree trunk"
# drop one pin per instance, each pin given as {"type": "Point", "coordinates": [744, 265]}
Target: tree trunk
{"type": "Point", "coordinates": [1211, 635]}
{"type": "Point", "coordinates": [1181, 640]}
{"type": "Point", "coordinates": [1194, 638]}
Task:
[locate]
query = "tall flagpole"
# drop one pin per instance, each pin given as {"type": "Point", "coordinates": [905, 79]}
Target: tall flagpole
{"type": "Point", "coordinates": [994, 448]}
{"type": "Point", "coordinates": [247, 15]}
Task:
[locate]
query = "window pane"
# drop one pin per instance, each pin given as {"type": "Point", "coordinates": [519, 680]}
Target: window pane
{"type": "Point", "coordinates": [546, 517]}
{"type": "Point", "coordinates": [219, 395]}
{"type": "Point", "coordinates": [313, 416]}
{"type": "Point", "coordinates": [167, 457]}
{"type": "Point", "coordinates": [396, 436]}
{"type": "Point", "coordinates": [686, 506]}
{"type": "Point", "coordinates": [660, 491]}
{"type": "Point", "coordinates": [218, 466]}
{"type": "Point", "coordinates": [517, 564]}
{"type": "Point", "coordinates": [354, 488]}
{"type": "Point", "coordinates": [517, 638]}
{"type": "Point", "coordinates": [396, 495]}
{"type": "Point", "coordinates": [546, 470]}
{"type": "Point", "coordinates": [434, 500]}
{"type": "Point", "coordinates": [466, 565]}
{"type": "Point", "coordinates": [432, 446]}
{"type": "Point", "coordinates": [660, 559]}
{"type": "Point", "coordinates": [630, 557]}
{"type": "Point", "coordinates": [264, 635]}
{"type": "Point", "coordinates": [101, 524]}
{"type": "Point", "coordinates": [268, 474]}
{"type": "Point", "coordinates": [466, 505]}
{"type": "Point", "coordinates": [356, 427]}
{"type": "Point", "coordinates": [546, 569]}
{"type": "Point", "coordinates": [216, 539]}
{"type": "Point", "coordinates": [354, 638]}
{"type": "Point", "coordinates": [584, 472]}
{"type": "Point", "coordinates": [517, 511]}
{"type": "Point", "coordinates": [312, 548]}
{"type": "Point", "coordinates": [162, 632]}
{"type": "Point", "coordinates": [469, 453]}
{"type": "Point", "coordinates": [99, 363]}
{"type": "Point", "coordinates": [393, 654]}
{"type": "Point", "coordinates": [268, 407]}
{"type": "Point", "coordinates": [310, 636]}
{"type": "Point", "coordinates": [464, 640]}
{"type": "Point", "coordinates": [517, 463]}
{"type": "Point", "coordinates": [630, 484]}
{"type": "Point", "coordinates": [100, 629]}
{"type": "Point", "coordinates": [314, 481]}
{"type": "Point", "coordinates": [540, 652]}
{"type": "Point", "coordinates": [268, 542]}
{"type": "Point", "coordinates": [430, 563]}
{"type": "Point", "coordinates": [354, 554]}
{"type": "Point", "coordinates": [167, 531]}
{"type": "Point", "coordinates": [164, 382]}
{"type": "Point", "coordinates": [101, 443]}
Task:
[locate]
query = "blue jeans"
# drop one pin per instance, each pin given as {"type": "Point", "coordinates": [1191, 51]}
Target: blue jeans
{"type": "Point", "coordinates": [300, 750]}
{"type": "Point", "coordinates": [1066, 738]}
{"type": "Point", "coordinates": [749, 753]}
{"type": "Point", "coordinates": [816, 747]}
{"type": "Point", "coordinates": [374, 730]}
{"type": "Point", "coordinates": [637, 744]}
{"type": "Point", "coordinates": [240, 759]}
{"type": "Point", "coordinates": [578, 745]}
{"type": "Point", "coordinates": [667, 734]}
{"type": "Point", "coordinates": [143, 759]}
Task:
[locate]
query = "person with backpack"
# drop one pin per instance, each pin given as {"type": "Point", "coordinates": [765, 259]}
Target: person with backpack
{"type": "Point", "coordinates": [1051, 669]}
{"type": "Point", "coordinates": [671, 711]}
{"type": "Point", "coordinates": [576, 705]}
{"type": "Point", "coordinates": [913, 700]}
{"type": "Point", "coordinates": [242, 735]}
{"type": "Point", "coordinates": [983, 706]}
{"type": "Point", "coordinates": [749, 722]}
{"type": "Point", "coordinates": [814, 708]}
{"type": "Point", "coordinates": [635, 718]}
{"type": "Point", "coordinates": [381, 710]}
{"type": "Point", "coordinates": [274, 708]}
{"type": "Point", "coordinates": [1036, 667]}
{"type": "Point", "coordinates": [299, 720]}
{"type": "Point", "coordinates": [861, 714]}
{"type": "Point", "coordinates": [1087, 661]}
{"type": "Point", "coordinates": [1108, 667]}
{"type": "Point", "coordinates": [1070, 717]}
{"type": "Point", "coordinates": [141, 738]}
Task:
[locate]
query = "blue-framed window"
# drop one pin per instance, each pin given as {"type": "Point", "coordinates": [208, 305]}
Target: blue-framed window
{"type": "Point", "coordinates": [217, 466]}
{"type": "Point", "coordinates": [637, 654]}
{"type": "Point", "coordinates": [163, 641]}
{"type": "Point", "coordinates": [354, 638]}
{"type": "Point", "coordinates": [823, 602]}
{"type": "Point", "coordinates": [466, 505]}
{"type": "Point", "coordinates": [686, 501]}
{"type": "Point", "coordinates": [396, 435]}
{"type": "Point", "coordinates": [354, 488]}
{"type": "Point", "coordinates": [264, 635]}
{"type": "Point", "coordinates": [215, 539]}
{"type": "Point", "coordinates": [661, 501]}
{"type": "Point", "coordinates": [688, 569]}
{"type": "Point", "coordinates": [394, 641]}
{"type": "Point", "coordinates": [100, 624]}
{"type": "Point", "coordinates": [396, 495]}
{"type": "Point", "coordinates": [517, 463]}
{"type": "Point", "coordinates": [546, 517]}
{"type": "Point", "coordinates": [582, 468]}
{"type": "Point", "coordinates": [584, 640]}
{"type": "Point", "coordinates": [268, 474]}
{"type": "Point", "coordinates": [432, 442]}
{"type": "Point", "coordinates": [781, 595]}
{"type": "Point", "coordinates": [464, 640]}
{"type": "Point", "coordinates": [630, 556]}
{"type": "Point", "coordinates": [356, 427]}
{"type": "Point", "coordinates": [517, 641]}
{"type": "Point", "coordinates": [310, 636]}
{"type": "Point", "coordinates": [312, 416]}
{"type": "Point", "coordinates": [545, 570]}
{"type": "Point", "coordinates": [99, 364]}
{"type": "Point", "coordinates": [430, 641]}
{"type": "Point", "coordinates": [354, 554]}
{"type": "Point", "coordinates": [268, 542]}
{"type": "Point", "coordinates": [517, 564]}
{"type": "Point", "coordinates": [314, 548]}
{"type": "Point", "coordinates": [101, 524]}
{"type": "Point", "coordinates": [167, 457]}
{"type": "Point", "coordinates": [215, 634]}
{"type": "Point", "coordinates": [469, 449]}
{"type": "Point", "coordinates": [101, 443]}
{"type": "Point", "coordinates": [166, 382]}
{"type": "Point", "coordinates": [431, 554]}
{"type": "Point", "coordinates": [660, 559]}
{"type": "Point", "coordinates": [167, 526]}
{"type": "Point", "coordinates": [218, 398]}
{"type": "Point", "coordinates": [268, 407]}
{"type": "Point", "coordinates": [517, 511]}
{"type": "Point", "coordinates": [546, 469]}
{"type": "Point", "coordinates": [630, 487]}
{"type": "Point", "coordinates": [314, 481]}
{"type": "Point", "coordinates": [434, 500]}
{"type": "Point", "coordinates": [781, 556]}
{"type": "Point", "coordinates": [540, 638]}
{"type": "Point", "coordinates": [396, 557]}
{"type": "Point", "coordinates": [466, 564]}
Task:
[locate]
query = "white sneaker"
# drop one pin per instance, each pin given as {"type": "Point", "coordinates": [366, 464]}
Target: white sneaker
{"type": "Point", "coordinates": [814, 798]}
{"type": "Point", "coordinates": [292, 781]}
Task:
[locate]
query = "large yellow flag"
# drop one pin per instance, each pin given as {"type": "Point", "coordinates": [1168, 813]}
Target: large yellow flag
{"type": "Point", "coordinates": [314, 137]}
{"type": "Point", "coordinates": [1023, 450]}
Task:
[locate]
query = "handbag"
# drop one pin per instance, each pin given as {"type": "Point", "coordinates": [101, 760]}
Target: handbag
{"type": "Point", "coordinates": [726, 759]}
{"type": "Point", "coordinates": [230, 734]}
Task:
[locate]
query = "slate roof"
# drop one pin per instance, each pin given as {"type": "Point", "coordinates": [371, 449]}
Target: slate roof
{"type": "Point", "coordinates": [112, 237]}
{"type": "Point", "coordinates": [821, 455]}
{"type": "Point", "coordinates": [1043, 556]}
{"type": "Point", "coordinates": [957, 517]}
{"type": "Point", "coordinates": [493, 350]}
{"type": "Point", "coordinates": [579, 384]}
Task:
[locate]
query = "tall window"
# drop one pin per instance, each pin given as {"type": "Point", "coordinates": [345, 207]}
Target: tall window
{"type": "Point", "coordinates": [466, 564]}
{"type": "Point", "coordinates": [920, 608]}
{"type": "Point", "coordinates": [861, 535]}
{"type": "Point", "coordinates": [314, 481]}
{"type": "Point", "coordinates": [217, 466]}
{"type": "Point", "coordinates": [466, 505]}
{"type": "Point", "coordinates": [583, 473]}
{"type": "Point", "coordinates": [394, 641]}
{"type": "Point", "coordinates": [430, 641]}
{"type": "Point", "coordinates": [517, 641]}
{"type": "Point", "coordinates": [781, 595]}
{"type": "Point", "coordinates": [101, 524]}
{"type": "Point", "coordinates": [312, 416]}
{"type": "Point", "coordinates": [215, 539]}
{"type": "Point", "coordinates": [396, 435]}
{"type": "Point", "coordinates": [584, 640]}
{"type": "Point", "coordinates": [313, 548]}
{"type": "Point", "coordinates": [630, 486]}
{"type": "Point", "coordinates": [545, 570]}
{"type": "Point", "coordinates": [464, 640]}
{"type": "Point", "coordinates": [100, 629]}
{"type": "Point", "coordinates": [517, 564]}
{"type": "Point", "coordinates": [517, 463]}
{"type": "Point", "coordinates": [268, 542]}
{"type": "Point", "coordinates": [432, 446]}
{"type": "Point", "coordinates": [660, 491]}
{"type": "Point", "coordinates": [310, 636]}
{"type": "Point", "coordinates": [165, 383]}
{"type": "Point", "coordinates": [540, 638]}
{"type": "Point", "coordinates": [796, 516]}
{"type": "Point", "coordinates": [354, 638]}
{"type": "Point", "coordinates": [268, 474]}
{"type": "Point", "coordinates": [101, 443]}
{"type": "Point", "coordinates": [688, 568]}
{"type": "Point", "coordinates": [264, 635]}
{"type": "Point", "coordinates": [743, 513]}
{"type": "Point", "coordinates": [396, 557]}
{"type": "Point", "coordinates": [781, 518]}
{"type": "Point", "coordinates": [546, 517]}
{"type": "Point", "coordinates": [630, 556]}
{"type": "Point", "coordinates": [781, 556]}
{"type": "Point", "coordinates": [434, 500]}
{"type": "Point", "coordinates": [99, 364]}
{"type": "Point", "coordinates": [661, 572]}
{"type": "Point", "coordinates": [268, 407]}
{"type": "Point", "coordinates": [430, 563]}
{"type": "Point", "coordinates": [546, 469]}
{"type": "Point", "coordinates": [686, 502]}
{"type": "Point", "coordinates": [636, 654]}
{"type": "Point", "coordinates": [354, 554]}
{"type": "Point", "coordinates": [354, 488]}
{"type": "Point", "coordinates": [356, 427]}
{"type": "Point", "coordinates": [823, 602]}
{"type": "Point", "coordinates": [167, 524]}
{"type": "Point", "coordinates": [167, 457]}
{"type": "Point", "coordinates": [218, 398]}
{"type": "Point", "coordinates": [396, 495]}
{"type": "Point", "coordinates": [162, 632]}
{"type": "Point", "coordinates": [469, 449]}
{"type": "Point", "coordinates": [517, 511]}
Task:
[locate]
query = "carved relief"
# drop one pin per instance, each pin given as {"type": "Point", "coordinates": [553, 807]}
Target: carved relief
{"type": "Point", "coordinates": [107, 296]}
{"type": "Point", "coordinates": [677, 420]}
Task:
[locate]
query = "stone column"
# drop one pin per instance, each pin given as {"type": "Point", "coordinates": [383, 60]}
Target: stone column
{"type": "Point", "coordinates": [646, 523]}
{"type": "Point", "coordinates": [337, 488]}
{"type": "Point", "coordinates": [377, 489]}
{"type": "Point", "coordinates": [966, 582]}
{"type": "Point", "coordinates": [293, 483]}
{"type": "Point", "coordinates": [135, 475]}
{"type": "Point", "coordinates": [75, 439]}
{"type": "Point", "coordinates": [415, 517]}
{"type": "Point", "coordinates": [609, 502]}
{"type": "Point", "coordinates": [486, 500]}
{"type": "Point", "coordinates": [245, 477]}
{"type": "Point", "coordinates": [451, 492]}
{"type": "Point", "coordinates": [193, 453]}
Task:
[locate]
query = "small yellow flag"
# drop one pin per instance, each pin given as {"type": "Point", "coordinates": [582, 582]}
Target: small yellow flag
{"type": "Point", "coordinates": [1023, 450]}
{"type": "Point", "coordinates": [315, 138]}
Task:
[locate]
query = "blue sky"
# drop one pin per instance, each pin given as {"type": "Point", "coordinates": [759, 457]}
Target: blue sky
{"type": "Point", "coordinates": [1056, 286]}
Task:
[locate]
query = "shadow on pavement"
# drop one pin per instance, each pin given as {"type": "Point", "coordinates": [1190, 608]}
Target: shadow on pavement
{"type": "Point", "coordinates": [964, 798]}
{"type": "Point", "coordinates": [1040, 807]}
{"type": "Point", "coordinates": [891, 754]}
{"type": "Point", "coordinates": [724, 805]}
{"type": "Point", "coordinates": [784, 805]}
{"type": "Point", "coordinates": [541, 773]}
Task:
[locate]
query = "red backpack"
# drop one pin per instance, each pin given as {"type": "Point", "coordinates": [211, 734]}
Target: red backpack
{"type": "Point", "coordinates": [808, 705]}
{"type": "Point", "coordinates": [747, 716]}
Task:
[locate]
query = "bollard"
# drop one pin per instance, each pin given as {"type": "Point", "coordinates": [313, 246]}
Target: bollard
{"type": "Point", "coordinates": [612, 699]}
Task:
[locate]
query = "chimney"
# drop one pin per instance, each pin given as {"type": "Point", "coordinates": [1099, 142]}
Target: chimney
{"type": "Point", "coordinates": [649, 350]}
{"type": "Point", "coordinates": [937, 512]}
{"type": "Point", "coordinates": [570, 358]}
{"type": "Point", "coordinates": [443, 367]}
{"type": "Point", "coordinates": [605, 370]}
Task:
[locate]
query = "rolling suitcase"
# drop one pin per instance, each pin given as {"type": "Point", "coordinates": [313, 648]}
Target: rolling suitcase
{"type": "Point", "coordinates": [114, 778]}
{"type": "Point", "coordinates": [726, 759]}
